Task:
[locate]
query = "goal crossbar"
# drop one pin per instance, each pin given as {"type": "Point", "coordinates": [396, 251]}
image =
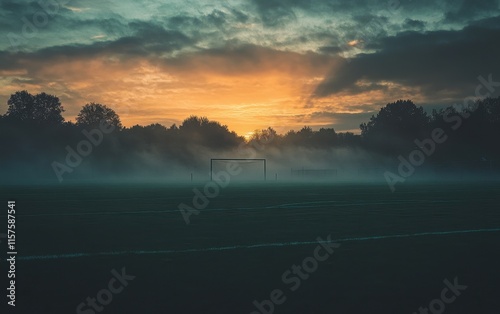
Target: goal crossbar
{"type": "Point", "coordinates": [237, 159]}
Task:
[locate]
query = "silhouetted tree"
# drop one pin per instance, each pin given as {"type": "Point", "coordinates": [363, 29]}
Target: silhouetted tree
{"type": "Point", "coordinates": [395, 127]}
{"type": "Point", "coordinates": [265, 137]}
{"type": "Point", "coordinates": [305, 133]}
{"type": "Point", "coordinates": [348, 139]}
{"type": "Point", "coordinates": [41, 108]}
{"type": "Point", "coordinates": [402, 117]}
{"type": "Point", "coordinates": [325, 137]}
{"type": "Point", "coordinates": [194, 123]}
{"type": "Point", "coordinates": [201, 131]}
{"type": "Point", "coordinates": [472, 135]}
{"type": "Point", "coordinates": [92, 114]}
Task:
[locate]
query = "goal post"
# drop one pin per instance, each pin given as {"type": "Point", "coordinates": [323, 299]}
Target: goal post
{"type": "Point", "coordinates": [242, 160]}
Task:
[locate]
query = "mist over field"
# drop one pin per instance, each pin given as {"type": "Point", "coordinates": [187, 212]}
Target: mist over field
{"type": "Point", "coordinates": [399, 142]}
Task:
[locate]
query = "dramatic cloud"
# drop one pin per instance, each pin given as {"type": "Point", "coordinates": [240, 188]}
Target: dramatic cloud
{"type": "Point", "coordinates": [250, 64]}
{"type": "Point", "coordinates": [471, 9]}
{"type": "Point", "coordinates": [439, 63]}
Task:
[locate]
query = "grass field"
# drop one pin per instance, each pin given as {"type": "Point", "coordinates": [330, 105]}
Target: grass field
{"type": "Point", "coordinates": [396, 249]}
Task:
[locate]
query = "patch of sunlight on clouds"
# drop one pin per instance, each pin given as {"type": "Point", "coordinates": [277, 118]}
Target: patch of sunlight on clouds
{"type": "Point", "coordinates": [101, 36]}
{"type": "Point", "coordinates": [76, 9]}
{"type": "Point", "coordinates": [354, 42]}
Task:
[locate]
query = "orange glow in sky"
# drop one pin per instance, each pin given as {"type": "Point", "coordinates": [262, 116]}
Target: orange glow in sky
{"type": "Point", "coordinates": [273, 90]}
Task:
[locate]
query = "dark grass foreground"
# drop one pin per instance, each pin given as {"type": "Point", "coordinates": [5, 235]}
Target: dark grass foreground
{"type": "Point", "coordinates": [175, 273]}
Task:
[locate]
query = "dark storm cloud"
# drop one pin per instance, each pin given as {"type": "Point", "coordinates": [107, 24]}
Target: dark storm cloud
{"type": "Point", "coordinates": [368, 18]}
{"type": "Point", "coordinates": [340, 121]}
{"type": "Point", "coordinates": [148, 39]}
{"type": "Point", "coordinates": [18, 8]}
{"type": "Point", "coordinates": [215, 20]}
{"type": "Point", "coordinates": [433, 61]}
{"type": "Point", "coordinates": [240, 16]}
{"type": "Point", "coordinates": [326, 6]}
{"type": "Point", "coordinates": [112, 26]}
{"type": "Point", "coordinates": [247, 59]}
{"type": "Point", "coordinates": [12, 13]}
{"type": "Point", "coordinates": [349, 117]}
{"type": "Point", "coordinates": [275, 12]}
{"type": "Point", "coordinates": [230, 59]}
{"type": "Point", "coordinates": [151, 38]}
{"type": "Point", "coordinates": [7, 7]}
{"type": "Point", "coordinates": [184, 22]}
{"type": "Point", "coordinates": [10, 61]}
{"type": "Point", "coordinates": [469, 9]}
{"type": "Point", "coordinates": [213, 28]}
{"type": "Point", "coordinates": [414, 24]}
{"type": "Point", "coordinates": [366, 28]}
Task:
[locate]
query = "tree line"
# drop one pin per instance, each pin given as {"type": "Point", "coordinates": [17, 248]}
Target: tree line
{"type": "Point", "coordinates": [34, 133]}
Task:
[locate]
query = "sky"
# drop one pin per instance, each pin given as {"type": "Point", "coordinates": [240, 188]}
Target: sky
{"type": "Point", "coordinates": [248, 64]}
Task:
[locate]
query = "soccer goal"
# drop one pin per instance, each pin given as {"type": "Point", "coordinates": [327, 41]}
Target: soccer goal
{"type": "Point", "coordinates": [251, 168]}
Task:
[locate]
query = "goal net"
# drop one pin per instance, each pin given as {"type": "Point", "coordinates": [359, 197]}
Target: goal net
{"type": "Point", "coordinates": [246, 169]}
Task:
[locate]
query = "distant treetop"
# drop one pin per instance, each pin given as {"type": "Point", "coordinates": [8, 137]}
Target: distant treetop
{"type": "Point", "coordinates": [92, 114]}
